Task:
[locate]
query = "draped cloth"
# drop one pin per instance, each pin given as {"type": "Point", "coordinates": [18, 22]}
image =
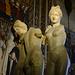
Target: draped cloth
{"type": "Point", "coordinates": [2, 47]}
{"type": "Point", "coordinates": [10, 44]}
{"type": "Point", "coordinates": [0, 59]}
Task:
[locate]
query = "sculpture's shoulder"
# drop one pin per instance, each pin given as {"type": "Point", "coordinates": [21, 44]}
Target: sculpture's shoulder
{"type": "Point", "coordinates": [60, 26]}
{"type": "Point", "coordinates": [47, 28]}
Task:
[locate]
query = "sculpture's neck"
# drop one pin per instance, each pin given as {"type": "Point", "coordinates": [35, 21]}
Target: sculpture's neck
{"type": "Point", "coordinates": [55, 24]}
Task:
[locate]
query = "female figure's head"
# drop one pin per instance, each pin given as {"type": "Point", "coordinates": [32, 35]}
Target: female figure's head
{"type": "Point", "coordinates": [20, 27]}
{"type": "Point", "coordinates": [55, 14]}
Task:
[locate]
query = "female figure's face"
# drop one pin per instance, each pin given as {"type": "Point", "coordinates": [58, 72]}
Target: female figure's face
{"type": "Point", "coordinates": [55, 17]}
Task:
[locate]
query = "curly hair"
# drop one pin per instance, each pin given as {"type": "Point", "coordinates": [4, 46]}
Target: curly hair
{"type": "Point", "coordinates": [56, 9]}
